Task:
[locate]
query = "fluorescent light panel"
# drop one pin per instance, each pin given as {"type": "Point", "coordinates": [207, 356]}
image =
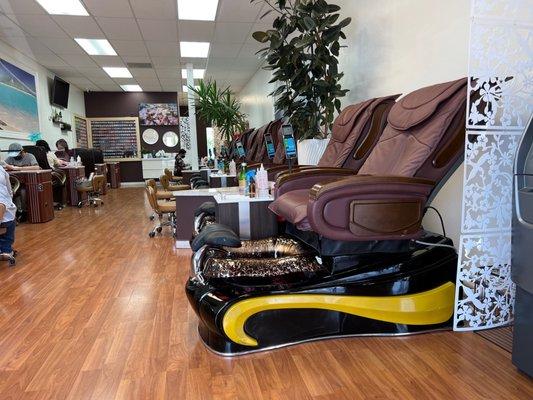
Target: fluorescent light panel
{"type": "Point", "coordinates": [194, 49]}
{"type": "Point", "coordinates": [196, 73]}
{"type": "Point", "coordinates": [63, 7]}
{"type": "Point", "coordinates": [118, 72]}
{"type": "Point", "coordinates": [197, 10]}
{"type": "Point", "coordinates": [96, 47]}
{"type": "Point", "coordinates": [131, 88]}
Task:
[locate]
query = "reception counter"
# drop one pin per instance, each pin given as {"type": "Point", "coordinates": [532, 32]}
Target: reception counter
{"type": "Point", "coordinates": [153, 167]}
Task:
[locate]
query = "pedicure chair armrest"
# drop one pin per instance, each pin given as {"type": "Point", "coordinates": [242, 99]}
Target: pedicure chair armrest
{"type": "Point", "coordinates": [363, 208]}
{"type": "Point", "coordinates": [308, 177]}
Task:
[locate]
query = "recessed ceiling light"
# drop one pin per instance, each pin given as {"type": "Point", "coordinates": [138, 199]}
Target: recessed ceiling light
{"type": "Point", "coordinates": [185, 88]}
{"type": "Point", "coordinates": [131, 88]}
{"type": "Point", "coordinates": [63, 7]}
{"type": "Point", "coordinates": [118, 72]}
{"type": "Point", "coordinates": [96, 47]}
{"type": "Point", "coordinates": [194, 49]}
{"type": "Point", "coordinates": [198, 10]}
{"type": "Point", "coordinates": [196, 73]}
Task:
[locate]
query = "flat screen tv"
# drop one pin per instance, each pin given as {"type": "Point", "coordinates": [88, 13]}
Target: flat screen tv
{"type": "Point", "coordinates": [60, 90]}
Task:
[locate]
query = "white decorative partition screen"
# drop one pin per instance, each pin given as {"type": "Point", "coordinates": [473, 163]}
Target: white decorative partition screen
{"type": "Point", "coordinates": [185, 133]}
{"type": "Point", "coordinates": [499, 104]}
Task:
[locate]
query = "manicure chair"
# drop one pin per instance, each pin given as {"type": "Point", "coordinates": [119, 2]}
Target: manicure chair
{"type": "Point", "coordinates": [165, 182]}
{"type": "Point", "coordinates": [161, 209]}
{"type": "Point", "coordinates": [94, 188]}
{"type": "Point", "coordinates": [355, 259]}
{"type": "Point", "coordinates": [172, 177]}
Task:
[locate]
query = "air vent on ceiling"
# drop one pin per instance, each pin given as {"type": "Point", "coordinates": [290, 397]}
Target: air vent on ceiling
{"type": "Point", "coordinates": [139, 65]}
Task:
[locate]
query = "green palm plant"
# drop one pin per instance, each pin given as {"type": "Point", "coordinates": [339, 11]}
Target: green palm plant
{"type": "Point", "coordinates": [302, 52]}
{"type": "Point", "coordinates": [219, 107]}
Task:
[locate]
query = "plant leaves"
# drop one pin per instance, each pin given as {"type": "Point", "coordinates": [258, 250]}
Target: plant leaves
{"type": "Point", "coordinates": [260, 36]}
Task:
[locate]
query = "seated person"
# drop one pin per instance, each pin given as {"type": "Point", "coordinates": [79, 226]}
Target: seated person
{"type": "Point", "coordinates": [53, 160]}
{"type": "Point", "coordinates": [63, 152]}
{"type": "Point", "coordinates": [7, 215]}
{"type": "Point", "coordinates": [179, 163]}
{"type": "Point", "coordinates": [18, 160]}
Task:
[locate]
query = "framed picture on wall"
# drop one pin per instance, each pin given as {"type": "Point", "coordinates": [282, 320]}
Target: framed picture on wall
{"type": "Point", "coordinates": [158, 114]}
{"type": "Point", "coordinates": [18, 100]}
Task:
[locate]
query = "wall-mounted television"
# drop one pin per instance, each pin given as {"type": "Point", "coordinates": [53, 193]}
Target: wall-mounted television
{"type": "Point", "coordinates": [60, 90]}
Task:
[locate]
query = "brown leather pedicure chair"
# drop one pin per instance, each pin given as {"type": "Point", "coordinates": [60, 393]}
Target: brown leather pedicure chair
{"type": "Point", "coordinates": [354, 258]}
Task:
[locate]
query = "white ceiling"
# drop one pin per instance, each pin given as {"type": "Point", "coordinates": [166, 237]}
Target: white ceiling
{"type": "Point", "coordinates": [141, 31]}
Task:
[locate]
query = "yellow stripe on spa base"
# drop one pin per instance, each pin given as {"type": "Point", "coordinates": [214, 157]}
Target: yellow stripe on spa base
{"type": "Point", "coordinates": [434, 306]}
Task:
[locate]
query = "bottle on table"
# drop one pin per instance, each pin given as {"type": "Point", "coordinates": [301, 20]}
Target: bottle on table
{"type": "Point", "coordinates": [242, 179]}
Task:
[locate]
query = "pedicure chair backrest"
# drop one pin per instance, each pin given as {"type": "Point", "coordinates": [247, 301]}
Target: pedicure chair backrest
{"type": "Point", "coordinates": [355, 132]}
{"type": "Point", "coordinates": [262, 155]}
{"type": "Point", "coordinates": [424, 136]}
{"type": "Point", "coordinates": [255, 143]}
{"type": "Point", "coordinates": [233, 154]}
{"type": "Point", "coordinates": [420, 147]}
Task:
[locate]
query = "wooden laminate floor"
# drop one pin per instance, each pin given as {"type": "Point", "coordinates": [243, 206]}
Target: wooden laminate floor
{"type": "Point", "coordinates": [96, 310]}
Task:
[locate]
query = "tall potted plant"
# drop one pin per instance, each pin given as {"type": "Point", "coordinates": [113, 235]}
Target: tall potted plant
{"type": "Point", "coordinates": [302, 52]}
{"type": "Point", "coordinates": [220, 108]}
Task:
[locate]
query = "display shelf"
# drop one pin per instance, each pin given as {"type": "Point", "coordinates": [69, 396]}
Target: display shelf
{"type": "Point", "coordinates": [81, 131]}
{"type": "Point", "coordinates": [118, 138]}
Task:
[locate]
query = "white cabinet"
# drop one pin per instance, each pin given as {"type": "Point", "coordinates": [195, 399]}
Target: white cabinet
{"type": "Point", "coordinates": [153, 168]}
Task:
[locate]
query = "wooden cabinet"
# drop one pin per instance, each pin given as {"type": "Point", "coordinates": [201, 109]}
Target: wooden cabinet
{"type": "Point", "coordinates": [74, 173]}
{"type": "Point", "coordinates": [113, 174]}
{"type": "Point", "coordinates": [39, 195]}
{"type": "Point", "coordinates": [101, 169]}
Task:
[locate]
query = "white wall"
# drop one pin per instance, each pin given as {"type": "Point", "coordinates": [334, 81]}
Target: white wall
{"type": "Point", "coordinates": [396, 46]}
{"type": "Point", "coordinates": [256, 104]}
{"type": "Point", "coordinates": [49, 131]}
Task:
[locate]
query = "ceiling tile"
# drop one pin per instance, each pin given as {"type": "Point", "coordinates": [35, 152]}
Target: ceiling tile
{"type": "Point", "coordinates": [108, 61]}
{"type": "Point", "coordinates": [196, 31]}
{"type": "Point", "coordinates": [102, 81]}
{"type": "Point", "coordinates": [136, 59]}
{"type": "Point", "coordinates": [109, 8]}
{"type": "Point", "coordinates": [169, 85]}
{"type": "Point", "coordinates": [196, 62]}
{"type": "Point", "coordinates": [9, 28]}
{"type": "Point", "coordinates": [80, 60]}
{"type": "Point", "coordinates": [243, 64]}
{"type": "Point", "coordinates": [153, 29]}
{"type": "Point", "coordinates": [147, 81]}
{"type": "Point", "coordinates": [129, 48]}
{"type": "Point", "coordinates": [234, 11]}
{"type": "Point", "coordinates": [165, 62]}
{"type": "Point", "coordinates": [66, 72]}
{"type": "Point", "coordinates": [156, 9]}
{"type": "Point", "coordinates": [143, 73]}
{"type": "Point", "coordinates": [93, 73]}
{"type": "Point", "coordinates": [62, 46]}
{"type": "Point", "coordinates": [79, 27]}
{"type": "Point", "coordinates": [232, 32]}
{"type": "Point", "coordinates": [27, 45]}
{"type": "Point", "coordinates": [221, 62]}
{"type": "Point", "coordinates": [162, 49]}
{"type": "Point", "coordinates": [51, 61]}
{"type": "Point", "coordinates": [41, 26]}
{"type": "Point", "coordinates": [225, 49]}
{"type": "Point", "coordinates": [120, 28]}
{"type": "Point", "coordinates": [167, 73]}
{"type": "Point", "coordinates": [81, 82]}
{"type": "Point", "coordinates": [111, 88]}
{"type": "Point", "coordinates": [249, 49]}
{"type": "Point", "coordinates": [21, 7]}
{"type": "Point", "coordinates": [155, 87]}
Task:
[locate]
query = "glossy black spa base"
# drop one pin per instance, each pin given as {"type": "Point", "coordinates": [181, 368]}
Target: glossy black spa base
{"type": "Point", "coordinates": [420, 269]}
